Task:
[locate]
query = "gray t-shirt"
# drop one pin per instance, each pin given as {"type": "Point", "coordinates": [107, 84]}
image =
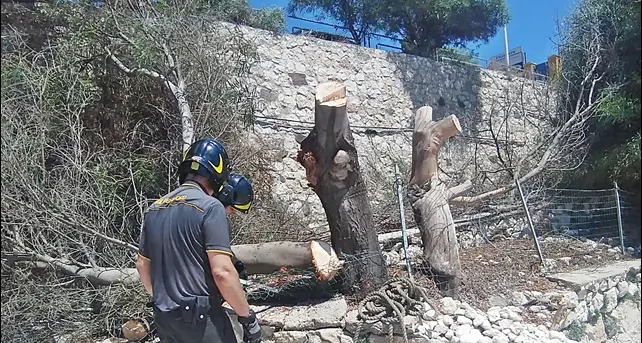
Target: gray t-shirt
{"type": "Point", "coordinates": [179, 229]}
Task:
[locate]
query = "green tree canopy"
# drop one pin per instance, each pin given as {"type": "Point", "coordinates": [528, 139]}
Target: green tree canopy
{"type": "Point", "coordinates": [427, 25]}
{"type": "Point", "coordinates": [422, 25]}
{"type": "Point", "coordinates": [359, 17]}
{"type": "Point", "coordinates": [614, 154]}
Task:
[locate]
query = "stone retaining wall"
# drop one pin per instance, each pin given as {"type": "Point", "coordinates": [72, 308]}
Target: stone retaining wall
{"type": "Point", "coordinates": [384, 89]}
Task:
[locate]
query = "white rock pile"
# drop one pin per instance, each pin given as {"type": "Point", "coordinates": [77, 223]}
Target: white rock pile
{"type": "Point", "coordinates": [599, 298]}
{"type": "Point", "coordinates": [461, 323]}
{"type": "Point", "coordinates": [528, 316]}
{"type": "Point", "coordinates": [509, 320]}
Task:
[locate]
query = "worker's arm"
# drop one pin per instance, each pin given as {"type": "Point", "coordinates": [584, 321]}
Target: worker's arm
{"type": "Point", "coordinates": [227, 280]}
{"type": "Point", "coordinates": [143, 265]}
{"type": "Point", "coordinates": [216, 233]}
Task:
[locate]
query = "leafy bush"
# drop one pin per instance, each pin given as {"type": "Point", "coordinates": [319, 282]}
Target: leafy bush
{"type": "Point", "coordinates": [88, 143]}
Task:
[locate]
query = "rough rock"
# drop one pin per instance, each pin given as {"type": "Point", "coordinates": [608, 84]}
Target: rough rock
{"type": "Point", "coordinates": [494, 314]}
{"type": "Point", "coordinates": [622, 289]}
{"type": "Point", "coordinates": [315, 336]}
{"type": "Point", "coordinates": [461, 320]}
{"type": "Point", "coordinates": [583, 277]}
{"type": "Point", "coordinates": [518, 298]}
{"type": "Point", "coordinates": [595, 333]}
{"type": "Point", "coordinates": [411, 323]}
{"type": "Point", "coordinates": [463, 329]}
{"type": "Point", "coordinates": [473, 336]}
{"type": "Point", "coordinates": [448, 305]}
{"type": "Point", "coordinates": [497, 301]}
{"type": "Point", "coordinates": [597, 303]}
{"type": "Point", "coordinates": [610, 300]}
{"type": "Point", "coordinates": [447, 320]}
{"type": "Point", "coordinates": [501, 338]}
{"type": "Point", "coordinates": [627, 315]}
{"type": "Point", "coordinates": [399, 339]}
{"type": "Point", "coordinates": [328, 314]}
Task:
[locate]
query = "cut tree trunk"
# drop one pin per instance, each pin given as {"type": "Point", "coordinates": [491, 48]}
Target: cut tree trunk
{"type": "Point", "coordinates": [261, 258]}
{"type": "Point", "coordinates": [429, 198]}
{"type": "Point", "coordinates": [330, 159]}
{"type": "Point", "coordinates": [265, 258]}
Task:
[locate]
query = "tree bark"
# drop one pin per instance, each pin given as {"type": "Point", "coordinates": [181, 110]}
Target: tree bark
{"type": "Point", "coordinates": [262, 258]}
{"type": "Point", "coordinates": [429, 198]}
{"type": "Point", "coordinates": [330, 158]}
{"type": "Point", "coordinates": [265, 258]}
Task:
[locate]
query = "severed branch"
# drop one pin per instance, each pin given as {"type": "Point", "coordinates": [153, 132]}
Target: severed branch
{"type": "Point", "coordinates": [261, 258]}
{"type": "Point", "coordinates": [265, 258]}
{"type": "Point", "coordinates": [568, 137]}
{"type": "Point", "coordinates": [551, 149]}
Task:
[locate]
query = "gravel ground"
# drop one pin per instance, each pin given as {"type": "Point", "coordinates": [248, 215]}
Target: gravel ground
{"type": "Point", "coordinates": [513, 265]}
{"type": "Point", "coordinates": [502, 267]}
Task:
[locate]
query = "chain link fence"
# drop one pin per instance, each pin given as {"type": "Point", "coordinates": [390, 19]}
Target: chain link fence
{"type": "Point", "coordinates": [603, 215]}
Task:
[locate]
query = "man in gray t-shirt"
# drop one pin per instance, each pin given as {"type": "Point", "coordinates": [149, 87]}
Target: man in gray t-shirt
{"type": "Point", "coordinates": [185, 259]}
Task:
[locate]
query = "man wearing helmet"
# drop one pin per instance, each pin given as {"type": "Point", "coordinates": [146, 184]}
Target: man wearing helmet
{"type": "Point", "coordinates": [237, 194]}
{"type": "Point", "coordinates": [185, 259]}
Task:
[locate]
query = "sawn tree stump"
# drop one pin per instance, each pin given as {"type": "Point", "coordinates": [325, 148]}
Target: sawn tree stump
{"type": "Point", "coordinates": [330, 158]}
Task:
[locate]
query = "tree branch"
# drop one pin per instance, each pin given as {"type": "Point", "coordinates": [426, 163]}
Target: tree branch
{"type": "Point", "coordinates": [177, 90]}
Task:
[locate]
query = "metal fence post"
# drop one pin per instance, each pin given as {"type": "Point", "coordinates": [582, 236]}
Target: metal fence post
{"type": "Point", "coordinates": [404, 236]}
{"type": "Point", "coordinates": [530, 222]}
{"type": "Point", "coordinates": [619, 215]}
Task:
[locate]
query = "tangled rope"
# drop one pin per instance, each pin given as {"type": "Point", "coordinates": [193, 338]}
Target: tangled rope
{"type": "Point", "coordinates": [397, 298]}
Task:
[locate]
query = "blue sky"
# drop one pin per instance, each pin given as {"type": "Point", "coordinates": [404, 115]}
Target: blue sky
{"type": "Point", "coordinates": [532, 26]}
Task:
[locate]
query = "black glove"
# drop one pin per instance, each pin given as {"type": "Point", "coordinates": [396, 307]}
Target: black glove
{"type": "Point", "coordinates": [240, 268]}
{"type": "Point", "coordinates": [251, 328]}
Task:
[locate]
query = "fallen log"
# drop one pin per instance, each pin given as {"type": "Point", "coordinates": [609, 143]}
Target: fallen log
{"type": "Point", "coordinates": [396, 236]}
{"type": "Point", "coordinates": [265, 258]}
{"type": "Point", "coordinates": [261, 258]}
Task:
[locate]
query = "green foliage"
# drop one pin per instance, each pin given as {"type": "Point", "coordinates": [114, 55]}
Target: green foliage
{"type": "Point", "coordinates": [423, 26]}
{"type": "Point", "coordinates": [614, 154]}
{"type": "Point", "coordinates": [619, 110]}
{"type": "Point", "coordinates": [360, 17]}
{"type": "Point", "coordinates": [576, 331]}
{"type": "Point", "coordinates": [426, 25]}
{"type": "Point", "coordinates": [240, 12]}
{"type": "Point", "coordinates": [272, 19]}
{"type": "Point", "coordinates": [87, 146]}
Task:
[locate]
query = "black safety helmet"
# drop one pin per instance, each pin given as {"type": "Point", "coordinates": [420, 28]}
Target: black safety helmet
{"type": "Point", "coordinates": [206, 157]}
{"type": "Point", "coordinates": [237, 193]}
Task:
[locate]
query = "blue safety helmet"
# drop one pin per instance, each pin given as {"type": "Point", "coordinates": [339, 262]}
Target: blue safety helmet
{"type": "Point", "coordinates": [206, 157]}
{"type": "Point", "coordinates": [237, 193]}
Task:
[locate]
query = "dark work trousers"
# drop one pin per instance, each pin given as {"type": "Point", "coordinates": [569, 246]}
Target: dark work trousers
{"type": "Point", "coordinates": [217, 329]}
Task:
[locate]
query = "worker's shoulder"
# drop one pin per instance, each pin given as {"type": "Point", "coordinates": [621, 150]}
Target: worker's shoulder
{"type": "Point", "coordinates": [204, 201]}
{"type": "Point", "coordinates": [200, 199]}
{"type": "Point", "coordinates": [189, 196]}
